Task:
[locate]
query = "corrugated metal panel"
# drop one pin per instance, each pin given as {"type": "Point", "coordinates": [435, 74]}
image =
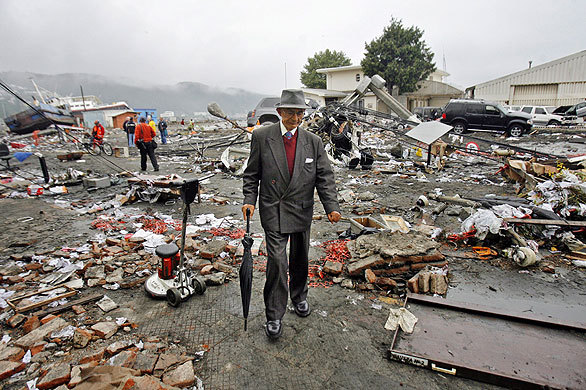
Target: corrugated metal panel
{"type": "Point", "coordinates": [567, 72]}
{"type": "Point", "coordinates": [539, 94]}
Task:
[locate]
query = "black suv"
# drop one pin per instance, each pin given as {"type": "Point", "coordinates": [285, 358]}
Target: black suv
{"type": "Point", "coordinates": [464, 114]}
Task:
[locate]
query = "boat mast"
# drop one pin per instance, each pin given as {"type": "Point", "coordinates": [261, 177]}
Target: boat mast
{"type": "Point", "coordinates": [39, 92]}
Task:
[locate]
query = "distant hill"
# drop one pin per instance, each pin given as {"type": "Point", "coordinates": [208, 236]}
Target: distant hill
{"type": "Point", "coordinates": [182, 98]}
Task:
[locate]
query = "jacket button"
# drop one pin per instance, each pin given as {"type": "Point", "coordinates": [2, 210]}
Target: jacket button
{"type": "Point", "coordinates": [273, 181]}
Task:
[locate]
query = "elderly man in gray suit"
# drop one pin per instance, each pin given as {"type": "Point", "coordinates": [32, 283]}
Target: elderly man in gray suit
{"type": "Point", "coordinates": [288, 163]}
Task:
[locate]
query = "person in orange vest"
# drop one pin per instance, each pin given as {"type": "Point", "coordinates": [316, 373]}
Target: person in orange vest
{"type": "Point", "coordinates": [143, 138]}
{"type": "Point", "coordinates": [98, 133]}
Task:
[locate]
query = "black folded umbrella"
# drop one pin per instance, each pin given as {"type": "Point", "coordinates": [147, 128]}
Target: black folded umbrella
{"type": "Point", "coordinates": [245, 273]}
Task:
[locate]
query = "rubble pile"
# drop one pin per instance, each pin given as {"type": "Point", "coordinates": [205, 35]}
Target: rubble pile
{"type": "Point", "coordinates": [56, 354]}
{"type": "Point", "coordinates": [385, 260]}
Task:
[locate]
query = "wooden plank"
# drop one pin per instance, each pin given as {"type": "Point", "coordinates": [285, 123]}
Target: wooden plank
{"type": "Point", "coordinates": [12, 302]}
{"type": "Point", "coordinates": [18, 298]}
{"type": "Point", "coordinates": [39, 304]}
{"type": "Point", "coordinates": [555, 222]}
{"type": "Point", "coordinates": [69, 305]}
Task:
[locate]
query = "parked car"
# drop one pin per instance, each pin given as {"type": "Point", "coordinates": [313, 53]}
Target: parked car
{"type": "Point", "coordinates": [543, 115]}
{"type": "Point", "coordinates": [428, 113]}
{"type": "Point", "coordinates": [464, 114]}
{"type": "Point", "coordinates": [266, 111]}
{"type": "Point", "coordinates": [575, 114]}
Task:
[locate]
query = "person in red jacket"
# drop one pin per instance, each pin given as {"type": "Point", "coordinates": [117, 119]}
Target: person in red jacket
{"type": "Point", "coordinates": [98, 133]}
{"type": "Point", "coordinates": [143, 138]}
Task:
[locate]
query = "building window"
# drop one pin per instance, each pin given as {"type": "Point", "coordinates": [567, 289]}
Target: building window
{"type": "Point", "coordinates": [358, 77]}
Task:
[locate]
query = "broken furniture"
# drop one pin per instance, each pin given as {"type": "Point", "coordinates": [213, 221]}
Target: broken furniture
{"type": "Point", "coordinates": [5, 155]}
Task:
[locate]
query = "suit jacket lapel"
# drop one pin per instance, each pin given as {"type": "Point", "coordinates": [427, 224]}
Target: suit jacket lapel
{"type": "Point", "coordinates": [277, 147]}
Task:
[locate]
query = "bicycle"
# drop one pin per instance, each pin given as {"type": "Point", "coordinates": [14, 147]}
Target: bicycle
{"type": "Point", "coordinates": [95, 147]}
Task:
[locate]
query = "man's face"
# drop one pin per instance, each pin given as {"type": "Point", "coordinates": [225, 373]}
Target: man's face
{"type": "Point", "coordinates": [291, 117]}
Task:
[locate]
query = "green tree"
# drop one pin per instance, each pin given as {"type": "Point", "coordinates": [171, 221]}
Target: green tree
{"type": "Point", "coordinates": [323, 59]}
{"type": "Point", "coordinates": [400, 56]}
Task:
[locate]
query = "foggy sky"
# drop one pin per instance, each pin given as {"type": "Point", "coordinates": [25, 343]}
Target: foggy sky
{"type": "Point", "coordinates": [262, 46]}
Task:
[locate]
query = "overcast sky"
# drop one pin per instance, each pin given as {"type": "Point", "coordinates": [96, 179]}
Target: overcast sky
{"type": "Point", "coordinates": [262, 45]}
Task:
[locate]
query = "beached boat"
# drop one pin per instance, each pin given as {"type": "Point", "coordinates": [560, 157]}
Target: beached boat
{"type": "Point", "coordinates": [29, 120]}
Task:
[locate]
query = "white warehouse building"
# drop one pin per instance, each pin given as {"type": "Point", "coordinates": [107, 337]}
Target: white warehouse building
{"type": "Point", "coordinates": [555, 83]}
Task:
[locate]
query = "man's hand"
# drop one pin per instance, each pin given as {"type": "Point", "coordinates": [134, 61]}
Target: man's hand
{"type": "Point", "coordinates": [334, 216]}
{"type": "Point", "coordinates": [247, 207]}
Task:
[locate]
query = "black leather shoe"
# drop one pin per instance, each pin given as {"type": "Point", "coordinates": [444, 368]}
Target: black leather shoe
{"type": "Point", "coordinates": [302, 309]}
{"type": "Point", "coordinates": [273, 329]}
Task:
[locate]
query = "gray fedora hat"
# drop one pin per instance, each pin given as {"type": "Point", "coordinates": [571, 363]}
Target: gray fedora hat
{"type": "Point", "coordinates": [292, 98]}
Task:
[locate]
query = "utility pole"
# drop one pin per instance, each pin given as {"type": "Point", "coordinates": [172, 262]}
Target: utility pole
{"type": "Point", "coordinates": [82, 97]}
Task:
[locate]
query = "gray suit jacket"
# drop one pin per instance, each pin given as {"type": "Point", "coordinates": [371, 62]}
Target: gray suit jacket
{"type": "Point", "coordinates": [286, 204]}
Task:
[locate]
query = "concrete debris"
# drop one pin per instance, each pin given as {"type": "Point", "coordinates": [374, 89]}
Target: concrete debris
{"type": "Point", "coordinates": [107, 304]}
{"type": "Point", "coordinates": [401, 318]}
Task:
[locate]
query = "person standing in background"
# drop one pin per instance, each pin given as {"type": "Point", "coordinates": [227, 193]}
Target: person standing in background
{"type": "Point", "coordinates": [163, 130]}
{"type": "Point", "coordinates": [143, 138]}
{"type": "Point", "coordinates": [129, 128]}
{"type": "Point", "coordinates": [152, 124]}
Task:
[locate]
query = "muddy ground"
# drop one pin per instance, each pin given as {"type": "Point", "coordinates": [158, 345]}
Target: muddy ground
{"type": "Point", "coordinates": [343, 343]}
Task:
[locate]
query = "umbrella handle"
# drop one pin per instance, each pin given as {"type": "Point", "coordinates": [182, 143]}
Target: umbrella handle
{"type": "Point", "coordinates": [247, 221]}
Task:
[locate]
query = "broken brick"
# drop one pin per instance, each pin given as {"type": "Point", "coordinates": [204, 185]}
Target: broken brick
{"type": "Point", "coordinates": [57, 375]}
{"type": "Point", "coordinates": [413, 284]}
{"type": "Point", "coordinates": [47, 318]}
{"type": "Point", "coordinates": [357, 267]}
{"type": "Point", "coordinates": [77, 309]}
{"type": "Point", "coordinates": [33, 266]}
{"type": "Point", "coordinates": [424, 281]}
{"type": "Point", "coordinates": [75, 376]}
{"type": "Point", "coordinates": [182, 376]}
{"type": "Point", "coordinates": [165, 361]}
{"type": "Point", "coordinates": [7, 368]}
{"type": "Point", "coordinates": [420, 266]}
{"type": "Point", "coordinates": [333, 267]}
{"type": "Point", "coordinates": [145, 362]}
{"type": "Point", "coordinates": [81, 338]}
{"type": "Point", "coordinates": [223, 267]}
{"type": "Point", "coordinates": [435, 256]}
{"type": "Point", "coordinates": [38, 347]}
{"type": "Point", "coordinates": [11, 353]}
{"type": "Point", "coordinates": [392, 271]}
{"type": "Point", "coordinates": [387, 282]}
{"type": "Point", "coordinates": [206, 270]}
{"type": "Point", "coordinates": [146, 382]}
{"type": "Point", "coordinates": [40, 333]}
{"type": "Point", "coordinates": [116, 347]}
{"type": "Point", "coordinates": [105, 330]}
{"type": "Point", "coordinates": [92, 358]}
{"type": "Point", "coordinates": [369, 276]}
{"type": "Point", "coordinates": [123, 359]}
{"type": "Point", "coordinates": [438, 284]}
{"type": "Point", "coordinates": [31, 324]}
{"type": "Point", "coordinates": [16, 320]}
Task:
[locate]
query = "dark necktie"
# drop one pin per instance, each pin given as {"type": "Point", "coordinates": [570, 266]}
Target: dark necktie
{"type": "Point", "coordinates": [288, 135]}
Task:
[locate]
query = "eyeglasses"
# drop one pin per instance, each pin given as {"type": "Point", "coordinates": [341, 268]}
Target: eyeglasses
{"type": "Point", "coordinates": [291, 112]}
